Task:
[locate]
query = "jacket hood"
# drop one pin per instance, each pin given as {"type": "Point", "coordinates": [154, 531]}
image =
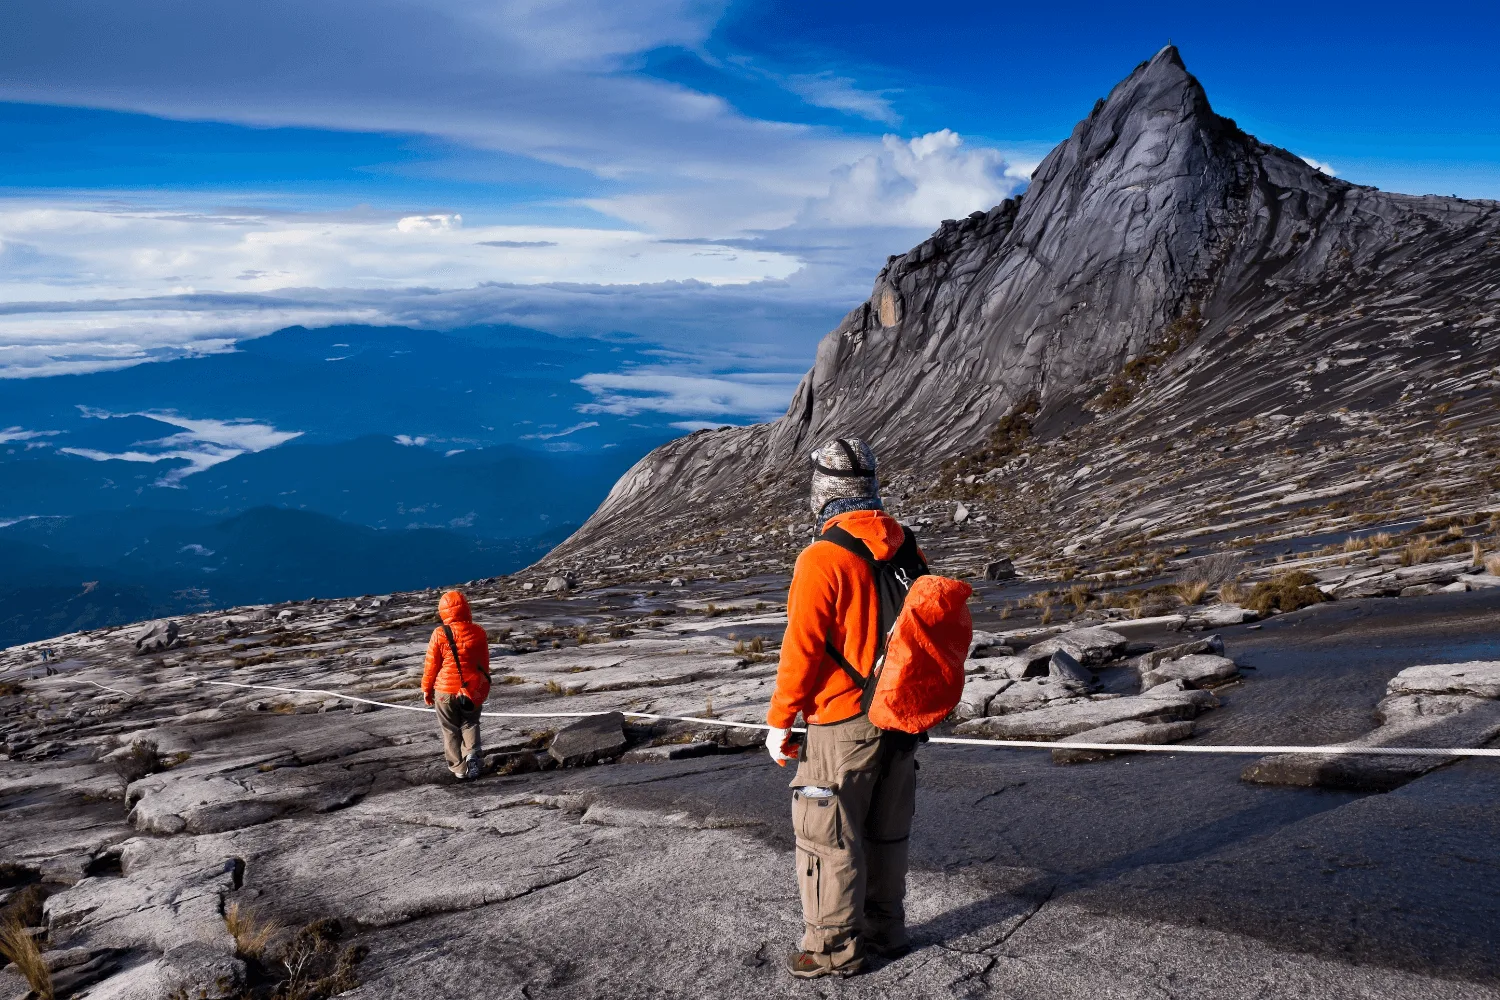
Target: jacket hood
{"type": "Point", "coordinates": [877, 529]}
{"type": "Point", "coordinates": [454, 608]}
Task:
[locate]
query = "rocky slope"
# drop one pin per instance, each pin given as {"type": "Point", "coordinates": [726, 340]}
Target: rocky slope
{"type": "Point", "coordinates": [1179, 336]}
{"type": "Point", "coordinates": [164, 834]}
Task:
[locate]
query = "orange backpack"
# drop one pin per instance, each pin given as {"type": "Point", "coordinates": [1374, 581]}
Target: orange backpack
{"type": "Point", "coordinates": [925, 628]}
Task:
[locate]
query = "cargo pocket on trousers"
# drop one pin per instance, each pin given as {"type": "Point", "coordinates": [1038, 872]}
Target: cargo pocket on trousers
{"type": "Point", "coordinates": [817, 820]}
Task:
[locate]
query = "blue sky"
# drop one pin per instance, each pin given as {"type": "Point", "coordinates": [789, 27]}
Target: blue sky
{"type": "Point", "coordinates": [720, 180]}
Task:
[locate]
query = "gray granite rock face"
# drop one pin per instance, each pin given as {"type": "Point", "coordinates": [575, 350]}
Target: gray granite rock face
{"type": "Point", "coordinates": [1157, 222]}
{"type": "Point", "coordinates": [561, 883]}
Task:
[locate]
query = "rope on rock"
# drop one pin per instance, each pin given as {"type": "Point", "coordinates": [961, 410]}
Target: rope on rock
{"type": "Point", "coordinates": [947, 740]}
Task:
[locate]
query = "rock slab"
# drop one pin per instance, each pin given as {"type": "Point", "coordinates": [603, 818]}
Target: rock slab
{"type": "Point", "coordinates": [590, 740]}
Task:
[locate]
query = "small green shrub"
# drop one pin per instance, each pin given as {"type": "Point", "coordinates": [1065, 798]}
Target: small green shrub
{"type": "Point", "coordinates": [1285, 592]}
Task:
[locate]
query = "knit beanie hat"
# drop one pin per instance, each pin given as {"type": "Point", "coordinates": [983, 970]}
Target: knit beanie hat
{"type": "Point", "coordinates": [844, 469]}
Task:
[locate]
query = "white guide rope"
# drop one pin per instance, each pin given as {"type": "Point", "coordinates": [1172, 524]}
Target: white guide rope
{"type": "Point", "coordinates": [954, 740]}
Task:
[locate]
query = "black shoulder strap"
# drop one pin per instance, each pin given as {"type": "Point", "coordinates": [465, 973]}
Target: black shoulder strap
{"type": "Point", "coordinates": [453, 648]}
{"type": "Point", "coordinates": [844, 540]}
{"type": "Point", "coordinates": [908, 565]}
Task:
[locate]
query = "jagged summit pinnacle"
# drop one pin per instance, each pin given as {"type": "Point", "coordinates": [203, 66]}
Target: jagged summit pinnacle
{"type": "Point", "coordinates": [1155, 235]}
{"type": "Point", "coordinates": [1166, 54]}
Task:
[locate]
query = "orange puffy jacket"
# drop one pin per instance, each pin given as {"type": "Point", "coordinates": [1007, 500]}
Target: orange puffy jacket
{"type": "Point", "coordinates": [438, 672]}
{"type": "Point", "coordinates": [832, 596]}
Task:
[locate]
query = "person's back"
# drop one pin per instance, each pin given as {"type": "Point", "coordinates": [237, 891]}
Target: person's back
{"type": "Point", "coordinates": [456, 681]}
{"type": "Point", "coordinates": [854, 791]}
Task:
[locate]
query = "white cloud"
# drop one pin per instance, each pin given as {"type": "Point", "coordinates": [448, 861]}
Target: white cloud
{"type": "Point", "coordinates": [408, 441]}
{"type": "Point", "coordinates": [10, 434]}
{"type": "Point", "coordinates": [112, 252]}
{"type": "Point", "coordinates": [760, 395]}
{"type": "Point", "coordinates": [117, 286]}
{"type": "Point", "coordinates": [547, 436]}
{"type": "Point", "coordinates": [201, 443]}
{"type": "Point", "coordinates": [827, 90]}
{"type": "Point", "coordinates": [916, 182]}
{"type": "Point", "coordinates": [555, 82]}
{"type": "Point", "coordinates": [1320, 166]}
{"type": "Point", "coordinates": [431, 224]}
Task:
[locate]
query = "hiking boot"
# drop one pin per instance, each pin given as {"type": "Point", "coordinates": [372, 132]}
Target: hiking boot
{"type": "Point", "coordinates": [810, 965]}
{"type": "Point", "coordinates": [890, 952]}
{"type": "Point", "coordinates": [471, 770]}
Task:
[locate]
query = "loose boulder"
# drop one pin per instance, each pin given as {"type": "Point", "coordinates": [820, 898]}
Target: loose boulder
{"type": "Point", "coordinates": [1195, 669]}
{"type": "Point", "coordinates": [1064, 667]}
{"type": "Point", "coordinates": [999, 569]}
{"type": "Point", "coordinates": [1033, 693]}
{"type": "Point", "coordinates": [1089, 646]}
{"type": "Point", "coordinates": [590, 740]}
{"type": "Point", "coordinates": [1480, 678]}
{"type": "Point", "coordinates": [157, 637]}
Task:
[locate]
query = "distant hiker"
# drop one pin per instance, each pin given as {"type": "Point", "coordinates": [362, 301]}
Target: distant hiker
{"type": "Point", "coordinates": [855, 788]}
{"type": "Point", "coordinates": [457, 670]}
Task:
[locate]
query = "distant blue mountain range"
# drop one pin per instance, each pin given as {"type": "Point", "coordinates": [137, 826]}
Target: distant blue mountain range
{"type": "Point", "coordinates": [306, 463]}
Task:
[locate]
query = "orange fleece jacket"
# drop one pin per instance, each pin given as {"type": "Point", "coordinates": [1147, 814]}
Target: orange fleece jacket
{"type": "Point", "coordinates": [832, 596]}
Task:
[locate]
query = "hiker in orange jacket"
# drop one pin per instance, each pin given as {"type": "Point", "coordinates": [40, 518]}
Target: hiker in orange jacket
{"type": "Point", "coordinates": [456, 678]}
{"type": "Point", "coordinates": [855, 789]}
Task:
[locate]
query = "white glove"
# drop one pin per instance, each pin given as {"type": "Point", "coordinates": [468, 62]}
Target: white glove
{"type": "Point", "coordinates": [776, 741]}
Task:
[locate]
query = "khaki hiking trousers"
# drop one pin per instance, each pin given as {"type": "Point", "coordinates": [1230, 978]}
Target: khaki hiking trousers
{"type": "Point", "coordinates": [852, 844]}
{"type": "Point", "coordinates": [460, 730]}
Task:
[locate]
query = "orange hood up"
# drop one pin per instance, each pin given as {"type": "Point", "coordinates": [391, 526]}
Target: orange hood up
{"type": "Point", "coordinates": [454, 608]}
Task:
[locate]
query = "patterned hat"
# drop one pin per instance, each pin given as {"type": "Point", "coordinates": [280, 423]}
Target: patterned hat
{"type": "Point", "coordinates": [843, 469]}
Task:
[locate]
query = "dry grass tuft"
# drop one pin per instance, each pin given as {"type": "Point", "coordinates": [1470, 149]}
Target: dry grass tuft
{"type": "Point", "coordinates": [1492, 564]}
{"type": "Point", "coordinates": [1233, 592]}
{"type": "Point", "coordinates": [1379, 540]}
{"type": "Point", "coordinates": [1079, 595]}
{"type": "Point", "coordinates": [252, 932]}
{"type": "Point", "coordinates": [21, 949]}
{"type": "Point", "coordinates": [1417, 551]}
{"type": "Point", "coordinates": [1191, 591]}
{"type": "Point", "coordinates": [1352, 544]}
